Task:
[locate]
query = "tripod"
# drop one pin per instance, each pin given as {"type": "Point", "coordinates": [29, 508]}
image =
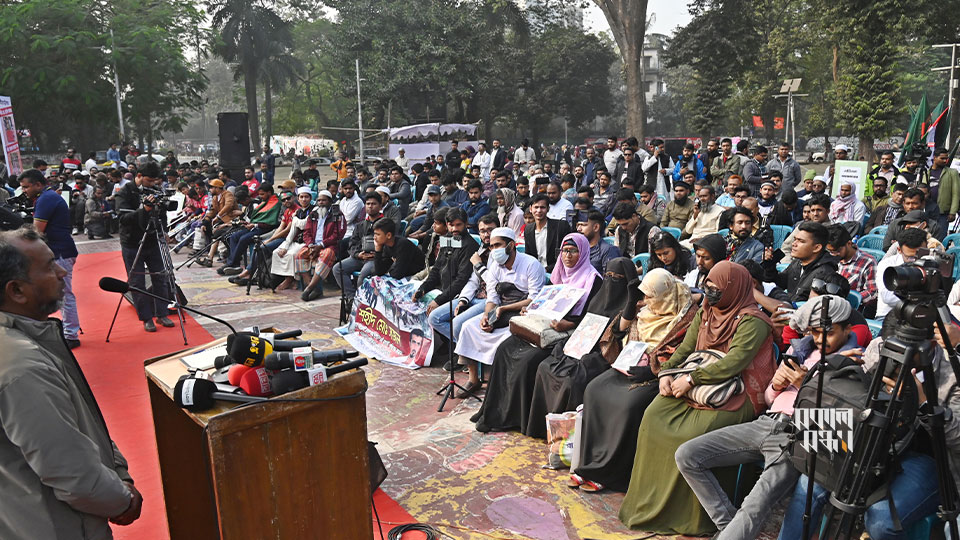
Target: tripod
{"type": "Point", "coordinates": [448, 387]}
{"type": "Point", "coordinates": [156, 233]}
{"type": "Point", "coordinates": [870, 457]}
{"type": "Point", "coordinates": [261, 270]}
{"type": "Point", "coordinates": [234, 229]}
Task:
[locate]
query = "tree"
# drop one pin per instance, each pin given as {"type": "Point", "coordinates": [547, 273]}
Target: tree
{"type": "Point", "coordinates": [278, 69]}
{"type": "Point", "coordinates": [627, 20]}
{"type": "Point", "coordinates": [248, 31]}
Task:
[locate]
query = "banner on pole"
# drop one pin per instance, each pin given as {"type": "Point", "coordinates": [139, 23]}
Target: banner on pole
{"type": "Point", "coordinates": [8, 137]}
{"type": "Point", "coordinates": [387, 324]}
{"type": "Point", "coordinates": [757, 122]}
{"type": "Point", "coordinates": [778, 123]}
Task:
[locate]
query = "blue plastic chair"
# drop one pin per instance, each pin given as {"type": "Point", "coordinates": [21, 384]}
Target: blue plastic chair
{"type": "Point", "coordinates": [609, 240]}
{"type": "Point", "coordinates": [955, 251]}
{"type": "Point", "coordinates": [880, 230]}
{"type": "Point", "coordinates": [855, 299]}
{"type": "Point", "coordinates": [403, 227]}
{"type": "Point", "coordinates": [875, 253]}
{"type": "Point", "coordinates": [870, 241]}
{"type": "Point", "coordinates": [477, 238]}
{"type": "Point", "coordinates": [723, 232]}
{"type": "Point", "coordinates": [874, 326]}
{"type": "Point", "coordinates": [415, 241]}
{"type": "Point", "coordinates": [521, 248]}
{"type": "Point", "coordinates": [951, 238]}
{"type": "Point", "coordinates": [672, 230]}
{"type": "Point", "coordinates": [782, 266]}
{"type": "Point", "coordinates": [780, 234]}
{"type": "Point", "coordinates": [643, 260]}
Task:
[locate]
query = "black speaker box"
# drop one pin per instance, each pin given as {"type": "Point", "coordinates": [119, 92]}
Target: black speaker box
{"type": "Point", "coordinates": [234, 142]}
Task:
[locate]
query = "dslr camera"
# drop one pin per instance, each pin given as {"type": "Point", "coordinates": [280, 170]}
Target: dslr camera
{"type": "Point", "coordinates": [921, 279]}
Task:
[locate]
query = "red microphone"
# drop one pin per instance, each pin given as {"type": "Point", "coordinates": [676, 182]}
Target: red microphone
{"type": "Point", "coordinates": [236, 372]}
{"type": "Point", "coordinates": [255, 382]}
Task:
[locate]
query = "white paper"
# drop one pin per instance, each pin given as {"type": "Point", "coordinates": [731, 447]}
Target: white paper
{"type": "Point", "coordinates": [203, 360]}
{"type": "Point", "coordinates": [630, 356]}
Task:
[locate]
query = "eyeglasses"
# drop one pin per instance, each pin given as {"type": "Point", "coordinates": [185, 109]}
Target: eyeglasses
{"type": "Point", "coordinates": [570, 251]}
{"type": "Point", "coordinates": [820, 286]}
{"type": "Point", "coordinates": [627, 154]}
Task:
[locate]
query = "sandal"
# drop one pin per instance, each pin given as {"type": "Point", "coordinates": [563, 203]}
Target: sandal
{"type": "Point", "coordinates": [590, 486]}
{"type": "Point", "coordinates": [203, 261]}
{"type": "Point", "coordinates": [574, 481]}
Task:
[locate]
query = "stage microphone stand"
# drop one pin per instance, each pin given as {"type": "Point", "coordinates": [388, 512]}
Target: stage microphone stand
{"type": "Point", "coordinates": [448, 388]}
{"type": "Point", "coordinates": [174, 302]}
{"type": "Point", "coordinates": [825, 327]}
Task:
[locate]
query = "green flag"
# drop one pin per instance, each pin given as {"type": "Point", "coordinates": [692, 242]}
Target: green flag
{"type": "Point", "coordinates": [915, 133]}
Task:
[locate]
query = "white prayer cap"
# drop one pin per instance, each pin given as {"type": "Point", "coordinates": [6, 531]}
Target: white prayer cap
{"type": "Point", "coordinates": [325, 193]}
{"type": "Point", "coordinates": [383, 189]}
{"type": "Point", "coordinates": [504, 232]}
{"type": "Point", "coordinates": [303, 189]}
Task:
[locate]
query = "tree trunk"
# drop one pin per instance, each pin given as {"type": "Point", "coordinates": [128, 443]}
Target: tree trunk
{"type": "Point", "coordinates": [627, 20]}
{"type": "Point", "coordinates": [268, 105]}
{"type": "Point", "coordinates": [250, 90]}
{"type": "Point", "coordinates": [865, 150]}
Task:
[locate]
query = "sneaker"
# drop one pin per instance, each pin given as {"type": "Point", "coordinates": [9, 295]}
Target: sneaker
{"type": "Point", "coordinates": [165, 322]}
{"type": "Point", "coordinates": [149, 326]}
{"type": "Point", "coordinates": [230, 270]}
{"type": "Point", "coordinates": [73, 343]}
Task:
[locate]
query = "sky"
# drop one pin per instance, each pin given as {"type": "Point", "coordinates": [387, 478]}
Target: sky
{"type": "Point", "coordinates": [669, 15]}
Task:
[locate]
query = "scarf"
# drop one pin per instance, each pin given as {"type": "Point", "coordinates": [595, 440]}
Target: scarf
{"type": "Point", "coordinates": [667, 301]}
{"type": "Point", "coordinates": [509, 202]}
{"type": "Point", "coordinates": [581, 276]}
{"type": "Point", "coordinates": [810, 314]}
{"type": "Point", "coordinates": [841, 209]}
{"type": "Point", "coordinates": [893, 210]}
{"type": "Point", "coordinates": [612, 295]}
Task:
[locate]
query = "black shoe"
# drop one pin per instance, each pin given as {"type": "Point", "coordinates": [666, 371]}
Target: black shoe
{"type": "Point", "coordinates": [222, 270]}
{"type": "Point", "coordinates": [91, 237]}
{"type": "Point", "coordinates": [230, 270]}
{"type": "Point", "coordinates": [165, 322]}
{"type": "Point", "coordinates": [460, 367]}
{"type": "Point", "coordinates": [237, 280]}
{"type": "Point", "coordinates": [476, 416]}
{"type": "Point", "coordinates": [149, 326]}
{"type": "Point", "coordinates": [482, 428]}
{"type": "Point", "coordinates": [469, 390]}
{"type": "Point", "coordinates": [73, 343]}
{"type": "Point", "coordinates": [312, 294]}
{"type": "Point", "coordinates": [105, 237]}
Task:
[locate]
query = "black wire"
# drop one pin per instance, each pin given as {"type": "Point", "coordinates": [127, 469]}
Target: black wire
{"type": "Point", "coordinates": [379, 525]}
{"type": "Point", "coordinates": [397, 532]}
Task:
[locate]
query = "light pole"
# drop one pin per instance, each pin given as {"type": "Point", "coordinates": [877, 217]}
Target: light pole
{"type": "Point", "coordinates": [788, 90]}
{"type": "Point", "coordinates": [951, 85]}
{"type": "Point", "coordinates": [116, 85]}
{"type": "Point", "coordinates": [359, 113]}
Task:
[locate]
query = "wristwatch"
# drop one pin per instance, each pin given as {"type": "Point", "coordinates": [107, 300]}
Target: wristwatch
{"type": "Point", "coordinates": [689, 379]}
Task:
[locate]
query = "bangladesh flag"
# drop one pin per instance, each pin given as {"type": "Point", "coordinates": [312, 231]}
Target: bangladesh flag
{"type": "Point", "coordinates": [916, 131]}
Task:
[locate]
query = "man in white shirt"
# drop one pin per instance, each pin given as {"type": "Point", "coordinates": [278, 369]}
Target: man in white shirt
{"type": "Point", "coordinates": [402, 160]}
{"type": "Point", "coordinates": [351, 206]}
{"type": "Point", "coordinates": [91, 162]}
{"type": "Point", "coordinates": [558, 205]}
{"type": "Point", "coordinates": [524, 153]}
{"type": "Point", "coordinates": [706, 214]}
{"type": "Point", "coordinates": [611, 155]}
{"type": "Point", "coordinates": [482, 160]}
{"type": "Point", "coordinates": [908, 242]}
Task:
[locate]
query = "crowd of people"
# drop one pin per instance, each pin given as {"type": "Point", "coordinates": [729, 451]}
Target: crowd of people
{"type": "Point", "coordinates": [684, 253]}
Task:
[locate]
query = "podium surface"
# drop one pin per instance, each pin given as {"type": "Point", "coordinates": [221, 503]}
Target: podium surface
{"type": "Point", "coordinates": [279, 469]}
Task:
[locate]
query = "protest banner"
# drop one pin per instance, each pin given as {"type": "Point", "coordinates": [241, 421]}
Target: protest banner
{"type": "Point", "coordinates": [387, 324]}
{"type": "Point", "coordinates": [850, 171]}
{"type": "Point", "coordinates": [8, 137]}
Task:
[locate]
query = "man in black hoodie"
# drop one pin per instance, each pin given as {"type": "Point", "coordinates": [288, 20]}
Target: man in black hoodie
{"type": "Point", "coordinates": [810, 259]}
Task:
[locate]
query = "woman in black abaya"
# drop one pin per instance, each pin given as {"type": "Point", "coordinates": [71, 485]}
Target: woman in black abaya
{"type": "Point", "coordinates": [561, 379]}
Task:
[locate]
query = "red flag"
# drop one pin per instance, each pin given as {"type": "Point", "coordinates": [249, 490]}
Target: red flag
{"type": "Point", "coordinates": [778, 123]}
{"type": "Point", "coordinates": [757, 122]}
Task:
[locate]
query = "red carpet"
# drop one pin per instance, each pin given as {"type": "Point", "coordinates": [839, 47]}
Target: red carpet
{"type": "Point", "coordinates": [115, 373]}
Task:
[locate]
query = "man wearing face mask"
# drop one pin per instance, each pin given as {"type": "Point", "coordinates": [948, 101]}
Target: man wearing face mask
{"type": "Point", "coordinates": [705, 216]}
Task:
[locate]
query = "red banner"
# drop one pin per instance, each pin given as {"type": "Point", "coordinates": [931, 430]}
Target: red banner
{"type": "Point", "coordinates": [757, 122]}
{"type": "Point", "coordinates": [778, 123]}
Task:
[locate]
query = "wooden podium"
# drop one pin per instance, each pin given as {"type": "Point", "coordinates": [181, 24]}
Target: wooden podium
{"type": "Point", "coordinates": [279, 470]}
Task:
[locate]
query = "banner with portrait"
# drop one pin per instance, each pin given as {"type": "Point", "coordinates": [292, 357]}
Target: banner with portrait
{"type": "Point", "coordinates": [387, 324]}
{"type": "Point", "coordinates": [8, 137]}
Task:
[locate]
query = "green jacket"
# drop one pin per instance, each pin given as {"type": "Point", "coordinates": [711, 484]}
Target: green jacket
{"type": "Point", "coordinates": [61, 474]}
{"type": "Point", "coordinates": [949, 195]}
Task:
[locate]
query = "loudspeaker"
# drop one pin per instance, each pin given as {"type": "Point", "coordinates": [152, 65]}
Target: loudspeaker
{"type": "Point", "coordinates": [234, 142]}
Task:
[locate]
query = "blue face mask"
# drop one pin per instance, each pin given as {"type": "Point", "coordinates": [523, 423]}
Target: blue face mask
{"type": "Point", "coordinates": [500, 255]}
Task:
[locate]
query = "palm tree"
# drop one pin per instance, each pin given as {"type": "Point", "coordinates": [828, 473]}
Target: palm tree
{"type": "Point", "coordinates": [277, 71]}
{"type": "Point", "coordinates": [248, 31]}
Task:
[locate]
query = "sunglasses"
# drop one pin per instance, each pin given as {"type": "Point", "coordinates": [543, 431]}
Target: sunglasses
{"type": "Point", "coordinates": [820, 286]}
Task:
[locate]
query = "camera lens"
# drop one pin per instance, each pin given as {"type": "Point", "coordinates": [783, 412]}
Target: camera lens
{"type": "Point", "coordinates": [904, 278]}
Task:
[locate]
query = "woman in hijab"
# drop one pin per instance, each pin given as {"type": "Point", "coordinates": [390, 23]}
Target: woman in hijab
{"type": "Point", "coordinates": [658, 499]}
{"type": "Point", "coordinates": [614, 402]}
{"type": "Point", "coordinates": [667, 253]}
{"type": "Point", "coordinates": [561, 379]}
{"type": "Point", "coordinates": [507, 400]}
{"type": "Point", "coordinates": [507, 211]}
{"type": "Point", "coordinates": [847, 207]}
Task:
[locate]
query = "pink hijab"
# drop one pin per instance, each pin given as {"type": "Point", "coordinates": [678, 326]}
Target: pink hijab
{"type": "Point", "coordinates": [581, 276]}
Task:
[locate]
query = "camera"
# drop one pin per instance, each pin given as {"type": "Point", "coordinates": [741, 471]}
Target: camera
{"type": "Point", "coordinates": [922, 278]}
{"type": "Point", "coordinates": [920, 151]}
{"type": "Point", "coordinates": [160, 199]}
{"type": "Point", "coordinates": [452, 242]}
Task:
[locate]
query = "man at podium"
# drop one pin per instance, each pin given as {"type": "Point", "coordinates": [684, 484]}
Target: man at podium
{"type": "Point", "coordinates": [61, 475]}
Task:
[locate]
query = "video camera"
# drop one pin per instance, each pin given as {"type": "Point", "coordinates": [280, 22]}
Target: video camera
{"type": "Point", "coordinates": [22, 206]}
{"type": "Point", "coordinates": [919, 151]}
{"type": "Point", "coordinates": [161, 201]}
{"type": "Point", "coordinates": [921, 279]}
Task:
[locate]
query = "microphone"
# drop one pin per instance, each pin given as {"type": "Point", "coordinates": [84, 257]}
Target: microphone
{"type": "Point", "coordinates": [110, 284]}
{"type": "Point", "coordinates": [289, 380]}
{"type": "Point", "coordinates": [199, 394]}
{"type": "Point", "coordinates": [273, 339]}
{"type": "Point", "coordinates": [256, 382]}
{"type": "Point", "coordinates": [235, 373]}
{"type": "Point", "coordinates": [223, 361]}
{"type": "Point", "coordinates": [285, 360]}
{"type": "Point", "coordinates": [248, 349]}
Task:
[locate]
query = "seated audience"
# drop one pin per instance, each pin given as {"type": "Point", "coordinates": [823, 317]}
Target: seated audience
{"type": "Point", "coordinates": [708, 251]}
{"type": "Point", "coordinates": [886, 212]}
{"type": "Point", "coordinates": [270, 244]}
{"type": "Point", "coordinates": [632, 232]}
{"type": "Point", "coordinates": [393, 255]}
{"type": "Point", "coordinates": [858, 267]}
{"type": "Point", "coordinates": [601, 252]}
{"type": "Point", "coordinates": [667, 253]}
{"type": "Point", "coordinates": [475, 205]}
{"type": "Point", "coordinates": [913, 201]}
{"type": "Point", "coordinates": [264, 217]}
{"type": "Point", "coordinates": [847, 207]}
{"type": "Point", "coordinates": [705, 216]}
{"type": "Point", "coordinates": [323, 228]}
{"type": "Point", "coordinates": [508, 212]}
{"type": "Point", "coordinates": [741, 245]}
{"type": "Point", "coordinates": [809, 255]}
{"type": "Point", "coordinates": [680, 209]}
{"type": "Point", "coordinates": [361, 249]}
{"type": "Point", "coordinates": [730, 322]}
{"type": "Point", "coordinates": [542, 240]}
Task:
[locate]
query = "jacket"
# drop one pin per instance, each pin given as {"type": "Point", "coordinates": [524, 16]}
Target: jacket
{"type": "Point", "coordinates": [556, 230]}
{"type": "Point", "coordinates": [790, 170]}
{"type": "Point", "coordinates": [632, 174]}
{"type": "Point", "coordinates": [400, 261]}
{"type": "Point", "coordinates": [223, 206]}
{"type": "Point", "coordinates": [948, 196]}
{"type": "Point", "coordinates": [62, 475]}
{"type": "Point", "coordinates": [362, 234]}
{"type": "Point", "coordinates": [751, 248]}
{"type": "Point", "coordinates": [721, 171]}
{"type": "Point", "coordinates": [753, 176]}
{"type": "Point", "coordinates": [698, 168]}
{"type": "Point", "coordinates": [798, 279]}
{"type": "Point", "coordinates": [641, 243]}
{"type": "Point", "coordinates": [451, 272]}
{"type": "Point", "coordinates": [895, 226]}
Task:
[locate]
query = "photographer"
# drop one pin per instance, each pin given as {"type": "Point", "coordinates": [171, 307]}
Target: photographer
{"type": "Point", "coordinates": [51, 217]}
{"type": "Point", "coordinates": [909, 241]}
{"type": "Point", "coordinates": [133, 229]}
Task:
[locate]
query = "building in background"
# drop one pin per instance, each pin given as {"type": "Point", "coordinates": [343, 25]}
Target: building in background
{"type": "Point", "coordinates": [654, 46]}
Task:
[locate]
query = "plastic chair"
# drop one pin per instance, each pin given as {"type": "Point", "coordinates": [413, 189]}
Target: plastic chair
{"type": "Point", "coordinates": [855, 299]}
{"type": "Point", "coordinates": [955, 251]}
{"type": "Point", "coordinates": [874, 326]}
{"type": "Point", "coordinates": [672, 230]}
{"type": "Point", "coordinates": [951, 238]}
{"type": "Point", "coordinates": [643, 260]}
{"type": "Point", "coordinates": [403, 228]}
{"type": "Point", "coordinates": [880, 230]}
{"type": "Point", "coordinates": [871, 241]}
{"type": "Point", "coordinates": [875, 253]}
{"type": "Point", "coordinates": [477, 238]}
{"type": "Point", "coordinates": [723, 232]}
{"type": "Point", "coordinates": [609, 240]}
{"type": "Point", "coordinates": [782, 266]}
{"type": "Point", "coordinates": [780, 234]}
{"type": "Point", "coordinates": [521, 248]}
{"type": "Point", "coordinates": [414, 241]}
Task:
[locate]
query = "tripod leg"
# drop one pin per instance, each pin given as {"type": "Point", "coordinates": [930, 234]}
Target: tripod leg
{"type": "Point", "coordinates": [110, 331]}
